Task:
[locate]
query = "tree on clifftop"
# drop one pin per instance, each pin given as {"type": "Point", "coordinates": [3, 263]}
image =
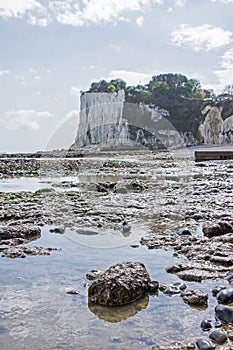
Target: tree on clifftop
{"type": "Point", "coordinates": [163, 89]}
{"type": "Point", "coordinates": [104, 86]}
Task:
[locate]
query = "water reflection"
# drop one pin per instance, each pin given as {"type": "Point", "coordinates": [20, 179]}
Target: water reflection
{"type": "Point", "coordinates": [105, 238]}
{"type": "Point", "coordinates": [116, 314]}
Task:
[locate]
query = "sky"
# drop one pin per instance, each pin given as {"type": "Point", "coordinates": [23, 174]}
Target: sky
{"type": "Point", "coordinates": [53, 49]}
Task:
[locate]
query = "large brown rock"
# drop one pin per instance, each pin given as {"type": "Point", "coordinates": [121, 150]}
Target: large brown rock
{"type": "Point", "coordinates": [120, 284]}
{"type": "Point", "coordinates": [218, 229]}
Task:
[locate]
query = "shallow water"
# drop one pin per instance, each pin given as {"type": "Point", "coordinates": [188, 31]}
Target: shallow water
{"type": "Point", "coordinates": [37, 313]}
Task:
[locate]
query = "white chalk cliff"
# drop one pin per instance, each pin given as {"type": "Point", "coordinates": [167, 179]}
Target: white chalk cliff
{"type": "Point", "coordinates": [227, 130]}
{"type": "Point", "coordinates": [210, 130]}
{"type": "Point", "coordinates": [215, 130]}
{"type": "Point", "coordinates": [99, 112]}
{"type": "Point", "coordinates": [107, 120]}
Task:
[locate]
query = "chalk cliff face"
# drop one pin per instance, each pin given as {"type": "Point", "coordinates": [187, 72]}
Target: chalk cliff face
{"type": "Point", "coordinates": [215, 130]}
{"type": "Point", "coordinates": [227, 130]}
{"type": "Point", "coordinates": [211, 128]}
{"type": "Point", "coordinates": [99, 112]}
{"type": "Point", "coordinates": [108, 121]}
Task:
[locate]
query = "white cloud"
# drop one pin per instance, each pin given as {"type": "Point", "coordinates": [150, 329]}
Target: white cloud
{"type": "Point", "coordinates": [179, 3]}
{"type": "Point", "coordinates": [225, 74]}
{"type": "Point", "coordinates": [115, 47]}
{"type": "Point", "coordinates": [75, 91]}
{"type": "Point", "coordinates": [205, 37]}
{"type": "Point", "coordinates": [224, 1]}
{"type": "Point", "coordinates": [140, 21]}
{"type": "Point", "coordinates": [99, 11]}
{"type": "Point", "coordinates": [41, 22]}
{"type": "Point", "coordinates": [4, 72]}
{"type": "Point", "coordinates": [25, 119]}
{"type": "Point", "coordinates": [78, 13]}
{"type": "Point", "coordinates": [32, 71]}
{"type": "Point", "coordinates": [17, 8]}
{"type": "Point", "coordinates": [131, 78]}
{"type": "Point", "coordinates": [73, 12]}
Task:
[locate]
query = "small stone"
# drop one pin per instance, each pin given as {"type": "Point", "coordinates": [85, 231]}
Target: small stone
{"type": "Point", "coordinates": [72, 292]}
{"type": "Point", "coordinates": [203, 344]}
{"type": "Point", "coordinates": [217, 289]}
{"type": "Point", "coordinates": [125, 227]}
{"type": "Point", "coordinates": [134, 245]}
{"type": "Point", "coordinates": [153, 287]}
{"type": "Point", "coordinates": [58, 229]}
{"type": "Point", "coordinates": [206, 325]}
{"type": "Point", "coordinates": [162, 287]}
{"type": "Point", "coordinates": [230, 278]}
{"type": "Point", "coordinates": [171, 290]}
{"type": "Point", "coordinates": [218, 336]}
{"type": "Point", "coordinates": [225, 296]}
{"type": "Point", "coordinates": [93, 274]}
{"type": "Point", "coordinates": [195, 297]}
{"type": "Point", "coordinates": [181, 286]}
{"type": "Point", "coordinates": [224, 313]}
{"type": "Point", "coordinates": [184, 232]}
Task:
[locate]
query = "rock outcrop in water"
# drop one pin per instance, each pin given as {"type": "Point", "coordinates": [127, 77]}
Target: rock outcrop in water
{"type": "Point", "coordinates": [108, 120]}
{"type": "Point", "coordinates": [121, 284]}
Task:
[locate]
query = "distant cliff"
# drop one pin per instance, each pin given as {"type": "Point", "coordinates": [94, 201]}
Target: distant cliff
{"type": "Point", "coordinates": [109, 119]}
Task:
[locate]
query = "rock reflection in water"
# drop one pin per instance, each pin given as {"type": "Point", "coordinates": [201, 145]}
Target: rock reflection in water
{"type": "Point", "coordinates": [86, 232]}
{"type": "Point", "coordinates": [116, 314]}
{"type": "Point", "coordinates": [117, 236]}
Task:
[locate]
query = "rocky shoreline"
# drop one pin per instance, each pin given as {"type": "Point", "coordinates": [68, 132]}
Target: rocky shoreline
{"type": "Point", "coordinates": [185, 207]}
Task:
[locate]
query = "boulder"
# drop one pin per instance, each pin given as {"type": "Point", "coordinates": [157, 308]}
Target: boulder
{"type": "Point", "coordinates": [218, 336]}
{"type": "Point", "coordinates": [203, 344]}
{"type": "Point", "coordinates": [218, 229]}
{"type": "Point", "coordinates": [217, 289]}
{"type": "Point", "coordinates": [120, 284]}
{"type": "Point", "coordinates": [225, 296]}
{"type": "Point", "coordinates": [224, 313]}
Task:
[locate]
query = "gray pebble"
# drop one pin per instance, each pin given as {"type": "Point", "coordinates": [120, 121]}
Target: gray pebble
{"type": "Point", "coordinates": [203, 344]}
{"type": "Point", "coordinates": [218, 336]}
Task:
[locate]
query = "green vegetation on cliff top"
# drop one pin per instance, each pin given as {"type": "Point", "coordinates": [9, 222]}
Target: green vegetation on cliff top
{"type": "Point", "coordinates": [162, 90]}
